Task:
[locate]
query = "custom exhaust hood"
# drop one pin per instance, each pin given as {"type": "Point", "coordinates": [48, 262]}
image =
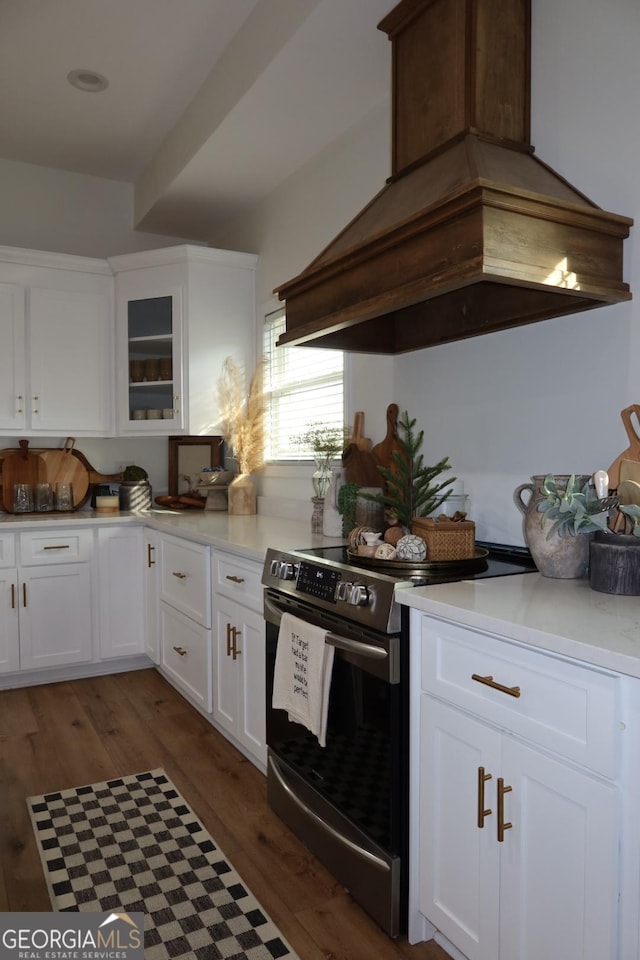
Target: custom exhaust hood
{"type": "Point", "coordinates": [472, 233]}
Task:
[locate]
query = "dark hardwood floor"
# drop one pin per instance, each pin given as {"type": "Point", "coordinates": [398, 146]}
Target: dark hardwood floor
{"type": "Point", "coordinates": [66, 734]}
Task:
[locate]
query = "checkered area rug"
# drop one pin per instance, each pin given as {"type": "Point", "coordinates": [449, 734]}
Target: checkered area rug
{"type": "Point", "coordinates": [134, 844]}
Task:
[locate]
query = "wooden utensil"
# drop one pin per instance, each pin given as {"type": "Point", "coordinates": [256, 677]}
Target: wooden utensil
{"type": "Point", "coordinates": [22, 466]}
{"type": "Point", "coordinates": [633, 450]}
{"type": "Point", "coordinates": [362, 443]}
{"type": "Point", "coordinates": [361, 467]}
{"type": "Point", "coordinates": [383, 451]}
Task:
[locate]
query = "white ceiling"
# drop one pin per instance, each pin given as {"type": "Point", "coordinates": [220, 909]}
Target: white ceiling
{"type": "Point", "coordinates": [210, 104]}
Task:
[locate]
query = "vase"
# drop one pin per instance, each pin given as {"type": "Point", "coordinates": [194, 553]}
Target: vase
{"type": "Point", "coordinates": [565, 557]}
{"type": "Point", "coordinates": [332, 519]}
{"type": "Point", "coordinates": [321, 477]}
{"type": "Point", "coordinates": [614, 564]}
{"type": "Point", "coordinates": [241, 496]}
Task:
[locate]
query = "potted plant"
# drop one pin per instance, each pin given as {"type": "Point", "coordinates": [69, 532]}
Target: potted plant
{"type": "Point", "coordinates": [243, 416]}
{"type": "Point", "coordinates": [135, 490]}
{"type": "Point", "coordinates": [561, 518]}
{"type": "Point", "coordinates": [614, 558]}
{"type": "Point", "coordinates": [410, 491]}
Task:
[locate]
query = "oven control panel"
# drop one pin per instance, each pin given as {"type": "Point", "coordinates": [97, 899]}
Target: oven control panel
{"type": "Point", "coordinates": [318, 581]}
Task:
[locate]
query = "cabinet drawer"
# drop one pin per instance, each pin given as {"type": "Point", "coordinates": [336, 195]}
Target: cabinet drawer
{"type": "Point", "coordinates": [185, 578]}
{"type": "Point", "coordinates": [55, 546]}
{"type": "Point", "coordinates": [186, 655]}
{"type": "Point", "coordinates": [238, 578]}
{"type": "Point", "coordinates": [562, 705]}
{"type": "Point", "coordinates": [7, 550]}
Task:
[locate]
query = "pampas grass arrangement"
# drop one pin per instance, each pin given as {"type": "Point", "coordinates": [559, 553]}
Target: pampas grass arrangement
{"type": "Point", "coordinates": [243, 415]}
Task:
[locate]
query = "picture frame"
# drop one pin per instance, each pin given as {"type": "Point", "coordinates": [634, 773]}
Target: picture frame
{"type": "Point", "coordinates": [190, 455]}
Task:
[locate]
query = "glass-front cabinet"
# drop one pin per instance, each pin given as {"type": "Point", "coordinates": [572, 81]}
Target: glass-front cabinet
{"type": "Point", "coordinates": [180, 312]}
{"type": "Point", "coordinates": [151, 348]}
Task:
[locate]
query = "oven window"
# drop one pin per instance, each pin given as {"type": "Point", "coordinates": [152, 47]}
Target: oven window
{"type": "Point", "coordinates": [359, 770]}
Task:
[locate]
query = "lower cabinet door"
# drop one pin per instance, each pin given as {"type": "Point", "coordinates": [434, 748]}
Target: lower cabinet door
{"type": "Point", "coordinates": [459, 862]}
{"type": "Point", "coordinates": [55, 615]}
{"type": "Point", "coordinates": [559, 866]}
{"type": "Point", "coordinates": [239, 675]}
{"type": "Point", "coordinates": [185, 650]}
{"type": "Point", "coordinates": [9, 633]}
{"type": "Point", "coordinates": [121, 591]}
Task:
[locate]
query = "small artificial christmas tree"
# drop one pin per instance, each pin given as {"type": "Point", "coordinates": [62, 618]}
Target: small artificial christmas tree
{"type": "Point", "coordinates": [409, 490]}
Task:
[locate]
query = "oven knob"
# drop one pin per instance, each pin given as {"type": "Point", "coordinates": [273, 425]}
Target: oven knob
{"type": "Point", "coordinates": [358, 595]}
{"type": "Point", "coordinates": [286, 570]}
{"type": "Point", "coordinates": [343, 590]}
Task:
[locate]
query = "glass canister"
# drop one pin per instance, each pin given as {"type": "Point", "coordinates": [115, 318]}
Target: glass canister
{"type": "Point", "coordinates": [22, 498]}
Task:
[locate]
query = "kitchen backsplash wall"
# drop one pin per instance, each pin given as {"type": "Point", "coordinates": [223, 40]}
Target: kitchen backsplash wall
{"type": "Point", "coordinates": [529, 400]}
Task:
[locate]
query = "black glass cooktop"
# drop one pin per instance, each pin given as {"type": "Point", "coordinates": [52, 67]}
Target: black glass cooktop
{"type": "Point", "coordinates": [502, 560]}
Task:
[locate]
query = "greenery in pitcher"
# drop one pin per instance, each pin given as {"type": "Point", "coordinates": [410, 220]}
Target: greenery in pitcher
{"type": "Point", "coordinates": [572, 510]}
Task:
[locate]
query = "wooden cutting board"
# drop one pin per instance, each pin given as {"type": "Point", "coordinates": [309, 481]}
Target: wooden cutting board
{"type": "Point", "coordinates": [383, 451]}
{"type": "Point", "coordinates": [59, 465]}
{"type": "Point", "coordinates": [633, 450]}
{"type": "Point", "coordinates": [20, 466]}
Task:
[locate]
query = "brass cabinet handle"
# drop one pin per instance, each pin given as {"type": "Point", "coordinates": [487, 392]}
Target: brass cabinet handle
{"type": "Point", "coordinates": [24, 594]}
{"type": "Point", "coordinates": [19, 410]}
{"type": "Point", "coordinates": [490, 682]}
{"type": "Point", "coordinates": [482, 813]}
{"type": "Point", "coordinates": [180, 651]}
{"type": "Point", "coordinates": [150, 549]}
{"type": "Point", "coordinates": [58, 546]}
{"type": "Point", "coordinates": [235, 579]}
{"type": "Point", "coordinates": [228, 639]}
{"type": "Point", "coordinates": [180, 576]}
{"type": "Point", "coordinates": [502, 826]}
{"type": "Point", "coordinates": [234, 649]}
{"type": "Point", "coordinates": [13, 596]}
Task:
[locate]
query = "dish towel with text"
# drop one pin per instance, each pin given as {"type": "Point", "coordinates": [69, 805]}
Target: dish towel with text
{"type": "Point", "coordinates": [302, 677]}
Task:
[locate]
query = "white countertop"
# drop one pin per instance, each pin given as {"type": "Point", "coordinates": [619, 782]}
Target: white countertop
{"type": "Point", "coordinates": [562, 616]}
{"type": "Point", "coordinates": [247, 536]}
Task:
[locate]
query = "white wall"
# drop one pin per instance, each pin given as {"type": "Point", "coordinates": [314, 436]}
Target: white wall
{"type": "Point", "coordinates": [543, 398]}
{"type": "Point", "coordinates": [45, 209]}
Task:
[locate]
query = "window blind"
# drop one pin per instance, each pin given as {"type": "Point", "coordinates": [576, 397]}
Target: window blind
{"type": "Point", "coordinates": [304, 385]}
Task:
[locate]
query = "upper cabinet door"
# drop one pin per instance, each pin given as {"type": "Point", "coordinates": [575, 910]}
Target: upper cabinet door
{"type": "Point", "coordinates": [151, 386]}
{"type": "Point", "coordinates": [68, 349]}
{"type": "Point", "coordinates": [180, 312]}
{"type": "Point", "coordinates": [12, 357]}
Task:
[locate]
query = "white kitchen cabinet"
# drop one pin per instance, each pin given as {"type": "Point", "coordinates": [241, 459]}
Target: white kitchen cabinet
{"type": "Point", "coordinates": [121, 591]}
{"type": "Point", "coordinates": [45, 592]}
{"type": "Point", "coordinates": [150, 574]}
{"type": "Point", "coordinates": [239, 654]}
{"type": "Point", "coordinates": [180, 311]}
{"type": "Point", "coordinates": [516, 844]}
{"type": "Point", "coordinates": [184, 589]}
{"type": "Point", "coordinates": [9, 633]}
{"type": "Point", "coordinates": [56, 322]}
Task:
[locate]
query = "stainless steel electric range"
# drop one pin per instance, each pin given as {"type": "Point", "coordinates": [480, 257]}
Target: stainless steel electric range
{"type": "Point", "coordinates": [348, 801]}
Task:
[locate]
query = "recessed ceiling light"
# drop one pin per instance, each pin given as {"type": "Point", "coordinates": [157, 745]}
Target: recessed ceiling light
{"type": "Point", "coordinates": [88, 80]}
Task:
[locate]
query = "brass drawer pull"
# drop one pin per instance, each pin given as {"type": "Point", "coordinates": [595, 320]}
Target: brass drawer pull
{"type": "Point", "coordinates": [502, 826]}
{"type": "Point", "coordinates": [180, 576]}
{"type": "Point", "coordinates": [235, 579]}
{"type": "Point", "coordinates": [180, 651]}
{"type": "Point", "coordinates": [490, 682]}
{"type": "Point", "coordinates": [58, 546]}
{"type": "Point", "coordinates": [482, 813]}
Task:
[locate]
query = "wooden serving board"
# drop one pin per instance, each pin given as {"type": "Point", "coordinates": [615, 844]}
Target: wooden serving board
{"type": "Point", "coordinates": [54, 465]}
{"type": "Point", "coordinates": [20, 466]}
{"type": "Point", "coordinates": [633, 450]}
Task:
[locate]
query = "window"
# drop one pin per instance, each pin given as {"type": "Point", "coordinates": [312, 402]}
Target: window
{"type": "Point", "coordinates": [304, 385]}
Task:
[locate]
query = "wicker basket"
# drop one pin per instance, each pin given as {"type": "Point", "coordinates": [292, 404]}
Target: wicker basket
{"type": "Point", "coordinates": [446, 539]}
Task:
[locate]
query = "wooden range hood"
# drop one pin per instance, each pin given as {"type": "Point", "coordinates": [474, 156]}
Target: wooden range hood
{"type": "Point", "coordinates": [472, 233]}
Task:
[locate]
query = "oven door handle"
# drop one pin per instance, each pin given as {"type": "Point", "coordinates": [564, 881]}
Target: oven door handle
{"type": "Point", "coordinates": [343, 643]}
{"type": "Point", "coordinates": [361, 852]}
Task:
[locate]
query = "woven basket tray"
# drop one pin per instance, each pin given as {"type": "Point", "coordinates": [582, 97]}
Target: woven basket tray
{"type": "Point", "coordinates": [446, 539]}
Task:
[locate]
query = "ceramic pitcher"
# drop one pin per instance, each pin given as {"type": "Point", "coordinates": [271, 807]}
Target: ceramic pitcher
{"type": "Point", "coordinates": [331, 517]}
{"type": "Point", "coordinates": [563, 557]}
